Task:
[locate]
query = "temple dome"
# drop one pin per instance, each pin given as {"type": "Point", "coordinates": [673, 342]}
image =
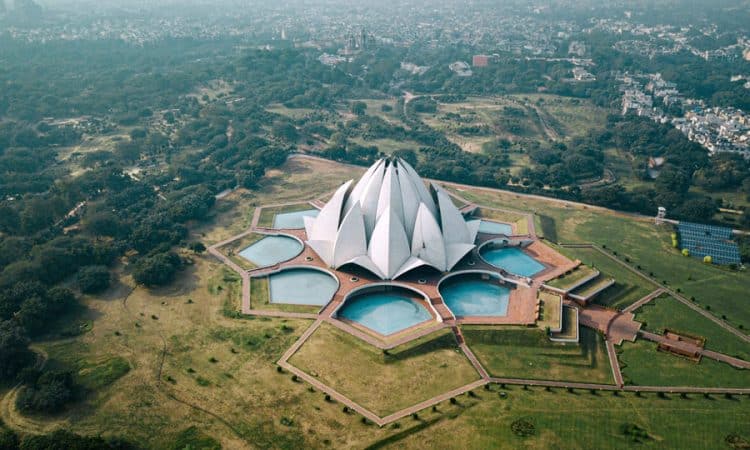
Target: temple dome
{"type": "Point", "coordinates": [389, 223]}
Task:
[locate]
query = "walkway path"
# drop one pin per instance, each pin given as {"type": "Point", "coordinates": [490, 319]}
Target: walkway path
{"type": "Point", "coordinates": [691, 348]}
{"type": "Point", "coordinates": [676, 295]}
{"type": "Point", "coordinates": [614, 363]}
{"type": "Point", "coordinates": [644, 300]}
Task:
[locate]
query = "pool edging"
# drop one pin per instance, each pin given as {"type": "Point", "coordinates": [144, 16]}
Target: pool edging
{"type": "Point", "coordinates": [266, 234]}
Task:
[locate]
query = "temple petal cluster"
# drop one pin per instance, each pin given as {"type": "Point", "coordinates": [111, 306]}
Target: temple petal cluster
{"type": "Point", "coordinates": [389, 223]}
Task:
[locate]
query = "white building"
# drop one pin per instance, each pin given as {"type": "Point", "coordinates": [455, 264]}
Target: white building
{"type": "Point", "coordinates": [390, 223]}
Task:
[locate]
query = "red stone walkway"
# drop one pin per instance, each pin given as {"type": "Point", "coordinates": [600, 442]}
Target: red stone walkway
{"type": "Point", "coordinates": [614, 363]}
{"type": "Point", "coordinates": [615, 325]}
{"type": "Point", "coordinates": [644, 300]}
{"type": "Point", "coordinates": [690, 348]}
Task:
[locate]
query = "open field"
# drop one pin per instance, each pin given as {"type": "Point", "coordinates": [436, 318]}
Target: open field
{"type": "Point", "coordinates": [385, 383]}
{"type": "Point", "coordinates": [387, 145]}
{"type": "Point", "coordinates": [643, 365]}
{"type": "Point", "coordinates": [637, 239]}
{"type": "Point", "coordinates": [667, 312]}
{"type": "Point", "coordinates": [292, 113]}
{"type": "Point", "coordinates": [527, 353]}
{"type": "Point", "coordinates": [580, 421]}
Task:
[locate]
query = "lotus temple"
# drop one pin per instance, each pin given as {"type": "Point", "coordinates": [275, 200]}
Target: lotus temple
{"type": "Point", "coordinates": [390, 257]}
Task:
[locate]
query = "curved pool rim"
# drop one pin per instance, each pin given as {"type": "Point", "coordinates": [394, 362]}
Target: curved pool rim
{"type": "Point", "coordinates": [504, 243]}
{"type": "Point", "coordinates": [302, 266]}
{"type": "Point", "coordinates": [271, 234]}
{"type": "Point", "coordinates": [470, 272]}
{"type": "Point", "coordinates": [497, 222]}
{"type": "Point", "coordinates": [362, 290]}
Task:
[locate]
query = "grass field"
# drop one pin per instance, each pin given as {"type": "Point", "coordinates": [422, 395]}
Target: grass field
{"type": "Point", "coordinates": [387, 145]}
{"type": "Point", "coordinates": [628, 287]}
{"type": "Point", "coordinates": [667, 312]}
{"type": "Point", "coordinates": [569, 280]}
{"type": "Point", "coordinates": [581, 421]}
{"type": "Point", "coordinates": [643, 365]}
{"type": "Point", "coordinates": [383, 383]}
{"type": "Point", "coordinates": [550, 311]}
{"type": "Point", "coordinates": [527, 353]}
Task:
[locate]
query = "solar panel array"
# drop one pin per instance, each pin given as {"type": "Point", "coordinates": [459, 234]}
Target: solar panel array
{"type": "Point", "coordinates": [709, 240]}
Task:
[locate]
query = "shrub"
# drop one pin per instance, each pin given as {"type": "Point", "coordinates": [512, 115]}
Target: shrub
{"type": "Point", "coordinates": [92, 279]}
{"type": "Point", "coordinates": [523, 428]}
{"type": "Point", "coordinates": [47, 392]}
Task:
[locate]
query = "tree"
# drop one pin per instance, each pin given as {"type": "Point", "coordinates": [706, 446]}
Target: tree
{"type": "Point", "coordinates": [92, 279]}
{"type": "Point", "coordinates": [65, 440]}
{"type": "Point", "coordinates": [14, 349]}
{"type": "Point", "coordinates": [156, 270]}
{"type": "Point", "coordinates": [8, 439]}
{"type": "Point", "coordinates": [48, 393]}
{"type": "Point", "coordinates": [359, 108]}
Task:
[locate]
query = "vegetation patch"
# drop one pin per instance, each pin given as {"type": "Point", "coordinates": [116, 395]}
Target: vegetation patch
{"type": "Point", "coordinates": [528, 353]}
{"type": "Point", "coordinates": [354, 367]}
{"type": "Point", "coordinates": [643, 365]}
{"type": "Point", "coordinates": [634, 433]}
{"type": "Point", "coordinates": [523, 427]}
{"type": "Point", "coordinates": [667, 312]}
{"type": "Point", "coordinates": [193, 438]}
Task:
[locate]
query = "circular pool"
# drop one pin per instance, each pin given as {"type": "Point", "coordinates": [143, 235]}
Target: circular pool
{"type": "Point", "coordinates": [467, 295]}
{"type": "Point", "coordinates": [272, 250]}
{"type": "Point", "coordinates": [511, 259]}
{"type": "Point", "coordinates": [386, 311]}
{"type": "Point", "coordinates": [301, 286]}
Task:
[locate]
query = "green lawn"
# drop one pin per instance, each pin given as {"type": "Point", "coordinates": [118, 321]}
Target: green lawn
{"type": "Point", "coordinates": [385, 383]}
{"type": "Point", "coordinates": [667, 312]}
{"type": "Point", "coordinates": [568, 280]}
{"type": "Point", "coordinates": [90, 372]}
{"type": "Point", "coordinates": [528, 353]}
{"type": "Point", "coordinates": [593, 286]}
{"type": "Point", "coordinates": [579, 420]}
{"type": "Point", "coordinates": [628, 287]}
{"type": "Point", "coordinates": [550, 314]}
{"type": "Point", "coordinates": [643, 365]}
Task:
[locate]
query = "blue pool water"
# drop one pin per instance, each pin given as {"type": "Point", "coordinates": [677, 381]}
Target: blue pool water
{"type": "Point", "coordinates": [302, 287]}
{"type": "Point", "coordinates": [514, 260]}
{"type": "Point", "coordinates": [475, 297]}
{"type": "Point", "coordinates": [490, 227]}
{"type": "Point", "coordinates": [293, 219]}
{"type": "Point", "coordinates": [272, 250]}
{"type": "Point", "coordinates": [386, 313]}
